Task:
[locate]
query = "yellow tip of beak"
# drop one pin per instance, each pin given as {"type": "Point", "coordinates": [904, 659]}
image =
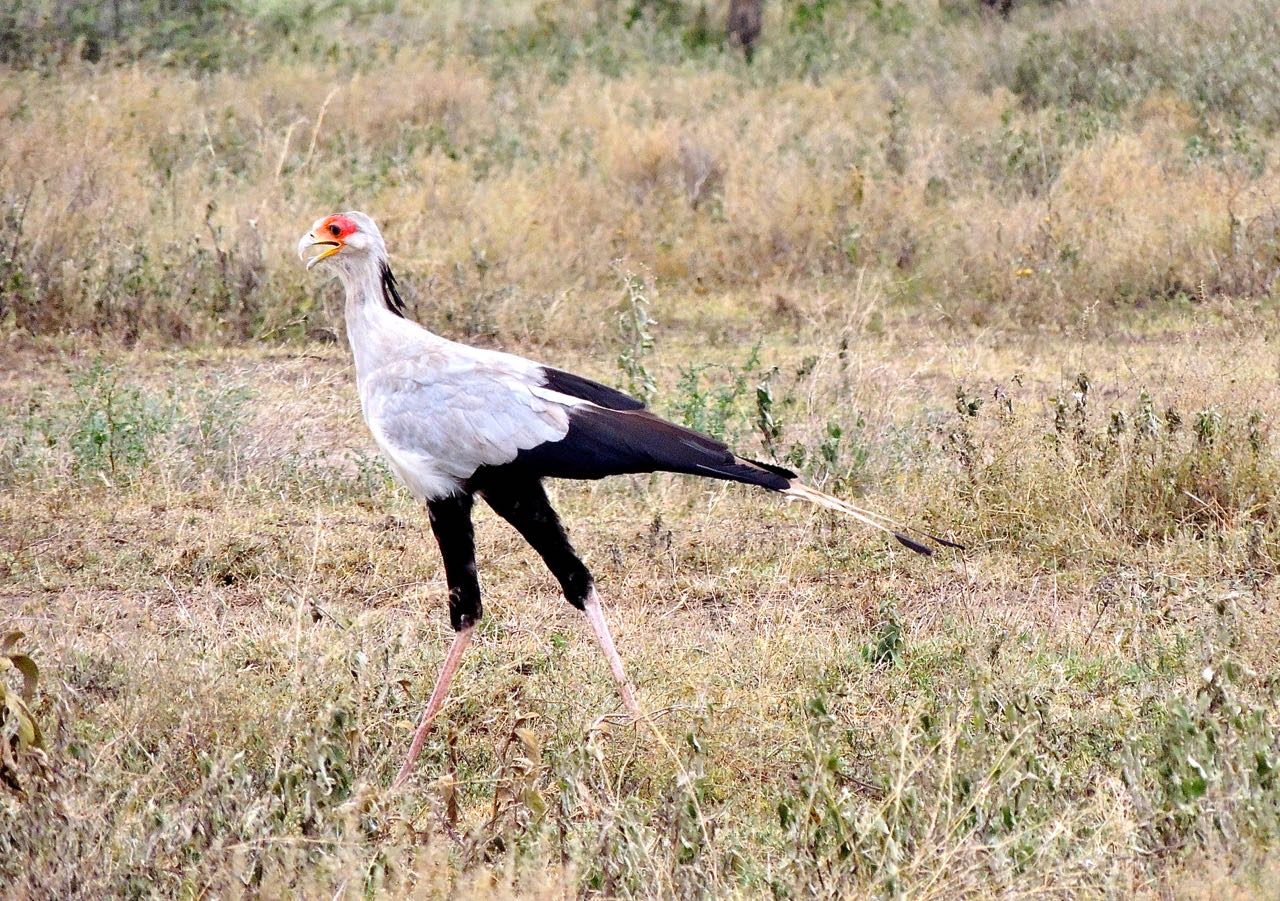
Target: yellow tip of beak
{"type": "Point", "coordinates": [330, 248]}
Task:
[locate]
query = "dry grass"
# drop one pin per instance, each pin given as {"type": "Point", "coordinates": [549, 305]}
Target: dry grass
{"type": "Point", "coordinates": [236, 637]}
{"type": "Point", "coordinates": [153, 203]}
{"type": "Point", "coordinates": [1015, 279]}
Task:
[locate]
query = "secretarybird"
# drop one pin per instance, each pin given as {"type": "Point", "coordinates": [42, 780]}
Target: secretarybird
{"type": "Point", "coordinates": [455, 421]}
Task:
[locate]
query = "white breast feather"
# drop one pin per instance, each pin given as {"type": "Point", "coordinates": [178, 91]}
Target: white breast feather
{"type": "Point", "coordinates": [437, 419]}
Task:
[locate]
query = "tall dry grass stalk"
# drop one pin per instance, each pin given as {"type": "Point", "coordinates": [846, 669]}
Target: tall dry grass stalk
{"type": "Point", "coordinates": [149, 201]}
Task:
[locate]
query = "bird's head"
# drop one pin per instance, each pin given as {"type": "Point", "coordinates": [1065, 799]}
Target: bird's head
{"type": "Point", "coordinates": [346, 242]}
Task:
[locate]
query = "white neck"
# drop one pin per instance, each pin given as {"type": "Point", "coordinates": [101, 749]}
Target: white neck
{"type": "Point", "coordinates": [377, 335]}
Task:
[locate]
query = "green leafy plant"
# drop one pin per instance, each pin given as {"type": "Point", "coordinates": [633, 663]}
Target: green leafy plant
{"type": "Point", "coordinates": [886, 645]}
{"type": "Point", "coordinates": [716, 408]}
{"type": "Point", "coordinates": [635, 329]}
{"type": "Point", "coordinates": [1213, 770]}
{"type": "Point", "coordinates": [115, 423]}
{"type": "Point", "coordinates": [767, 421]}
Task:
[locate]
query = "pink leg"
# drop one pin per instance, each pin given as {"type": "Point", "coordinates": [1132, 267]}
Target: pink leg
{"type": "Point", "coordinates": [595, 616]}
{"type": "Point", "coordinates": [460, 642]}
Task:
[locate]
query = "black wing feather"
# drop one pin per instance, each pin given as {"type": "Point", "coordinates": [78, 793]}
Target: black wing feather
{"type": "Point", "coordinates": [585, 389]}
{"type": "Point", "coordinates": [605, 442]}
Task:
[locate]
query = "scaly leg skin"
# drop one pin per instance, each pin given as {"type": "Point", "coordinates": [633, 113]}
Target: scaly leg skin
{"type": "Point", "coordinates": [595, 616]}
{"type": "Point", "coordinates": [524, 504]}
{"type": "Point", "coordinates": [460, 642]}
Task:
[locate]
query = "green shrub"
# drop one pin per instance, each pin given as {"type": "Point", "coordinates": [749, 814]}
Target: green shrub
{"type": "Point", "coordinates": [115, 425]}
{"type": "Point", "coordinates": [202, 35]}
{"type": "Point", "coordinates": [1221, 61]}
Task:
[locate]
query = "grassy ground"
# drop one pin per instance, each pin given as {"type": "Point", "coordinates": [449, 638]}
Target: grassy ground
{"type": "Point", "coordinates": [1014, 279]}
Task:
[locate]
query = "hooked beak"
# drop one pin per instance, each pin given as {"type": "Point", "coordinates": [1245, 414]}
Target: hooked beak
{"type": "Point", "coordinates": [309, 240]}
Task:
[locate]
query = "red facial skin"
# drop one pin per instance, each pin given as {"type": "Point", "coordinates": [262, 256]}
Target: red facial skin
{"type": "Point", "coordinates": [337, 227]}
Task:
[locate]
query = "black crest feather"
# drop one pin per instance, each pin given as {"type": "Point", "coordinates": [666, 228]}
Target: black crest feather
{"type": "Point", "coordinates": [391, 292]}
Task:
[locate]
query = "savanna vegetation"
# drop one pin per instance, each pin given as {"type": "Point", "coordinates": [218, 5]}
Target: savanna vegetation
{"type": "Point", "coordinates": [1009, 275]}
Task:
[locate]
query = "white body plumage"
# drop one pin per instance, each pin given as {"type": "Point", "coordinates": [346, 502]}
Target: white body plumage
{"type": "Point", "coordinates": [440, 410]}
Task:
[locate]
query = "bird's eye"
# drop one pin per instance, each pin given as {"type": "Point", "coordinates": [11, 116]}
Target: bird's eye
{"type": "Point", "coordinates": [335, 230]}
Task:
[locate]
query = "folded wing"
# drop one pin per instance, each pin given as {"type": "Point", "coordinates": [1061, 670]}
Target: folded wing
{"type": "Point", "coordinates": [494, 411]}
{"type": "Point", "coordinates": [604, 442]}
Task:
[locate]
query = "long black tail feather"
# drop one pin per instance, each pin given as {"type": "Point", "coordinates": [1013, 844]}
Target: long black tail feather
{"type": "Point", "coordinates": [605, 441]}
